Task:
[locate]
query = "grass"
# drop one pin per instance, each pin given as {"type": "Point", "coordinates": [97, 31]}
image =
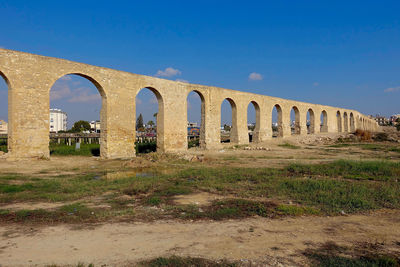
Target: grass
{"type": "Point", "coordinates": [330, 188]}
{"type": "Point", "coordinates": [294, 210]}
{"type": "Point", "coordinates": [66, 150]}
{"type": "Point", "coordinates": [370, 170]}
{"type": "Point", "coordinates": [373, 147]}
{"type": "Point", "coordinates": [229, 209]}
{"type": "Point", "coordinates": [231, 158]}
{"type": "Point", "coordinates": [240, 208]}
{"type": "Point", "coordinates": [90, 149]}
{"type": "Point", "coordinates": [290, 146]}
{"type": "Point", "coordinates": [3, 145]}
{"type": "Point", "coordinates": [194, 143]}
{"type": "Point", "coordinates": [361, 254]}
{"type": "Point", "coordinates": [185, 261]}
{"type": "Point", "coordinates": [71, 213]}
{"type": "Point", "coordinates": [146, 147]}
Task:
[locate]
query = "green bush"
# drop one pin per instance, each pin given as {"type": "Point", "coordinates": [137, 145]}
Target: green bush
{"type": "Point", "coordinates": [194, 143]}
{"type": "Point", "coordinates": [146, 147]}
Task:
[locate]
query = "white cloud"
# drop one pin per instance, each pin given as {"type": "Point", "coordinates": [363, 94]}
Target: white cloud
{"type": "Point", "coordinates": [392, 89]}
{"type": "Point", "coordinates": [153, 100]}
{"type": "Point", "coordinates": [85, 97]}
{"type": "Point", "coordinates": [168, 72]}
{"type": "Point", "coordinates": [59, 91]}
{"type": "Point", "coordinates": [66, 78]}
{"type": "Point", "coordinates": [182, 80]}
{"type": "Point", "coordinates": [254, 76]}
{"type": "Point", "coordinates": [316, 83]}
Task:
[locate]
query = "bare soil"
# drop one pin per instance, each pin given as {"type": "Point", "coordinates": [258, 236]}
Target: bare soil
{"type": "Point", "coordinates": [261, 241]}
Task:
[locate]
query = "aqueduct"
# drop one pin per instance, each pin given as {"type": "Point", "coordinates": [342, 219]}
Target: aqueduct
{"type": "Point", "coordinates": [30, 77]}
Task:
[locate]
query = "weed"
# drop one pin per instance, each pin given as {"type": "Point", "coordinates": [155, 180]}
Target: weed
{"type": "Point", "coordinates": [153, 201]}
{"type": "Point", "coordinates": [330, 254]}
{"type": "Point", "coordinates": [350, 186]}
{"type": "Point", "coordinates": [293, 210]}
{"type": "Point", "coordinates": [185, 261]}
{"type": "Point", "coordinates": [6, 188]}
{"type": "Point", "coordinates": [287, 145]}
{"type": "Point", "coordinates": [231, 158]}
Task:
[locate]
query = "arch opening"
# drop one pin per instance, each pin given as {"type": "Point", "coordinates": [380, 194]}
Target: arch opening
{"type": "Point", "coordinates": [310, 122]}
{"type": "Point", "coordinates": [345, 122]}
{"type": "Point", "coordinates": [295, 121]}
{"type": "Point", "coordinates": [77, 116]}
{"type": "Point", "coordinates": [339, 121]}
{"type": "Point", "coordinates": [149, 111]}
{"type": "Point", "coordinates": [195, 117]}
{"type": "Point", "coordinates": [324, 122]}
{"type": "Point", "coordinates": [228, 121]}
{"type": "Point", "coordinates": [277, 127]}
{"type": "Point", "coordinates": [4, 113]}
{"type": "Point", "coordinates": [352, 124]}
{"type": "Point", "coordinates": [253, 121]}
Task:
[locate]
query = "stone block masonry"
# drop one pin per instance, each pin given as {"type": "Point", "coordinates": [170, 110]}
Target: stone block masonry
{"type": "Point", "coordinates": [30, 77]}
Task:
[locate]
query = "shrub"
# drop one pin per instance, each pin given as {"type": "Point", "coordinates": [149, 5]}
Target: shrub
{"type": "Point", "coordinates": [363, 135]}
{"type": "Point", "coordinates": [380, 137]}
{"type": "Point", "coordinates": [146, 147]}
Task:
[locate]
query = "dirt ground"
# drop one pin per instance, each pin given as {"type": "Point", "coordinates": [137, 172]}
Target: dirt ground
{"type": "Point", "coordinates": [261, 241]}
{"type": "Point", "coordinates": [272, 242]}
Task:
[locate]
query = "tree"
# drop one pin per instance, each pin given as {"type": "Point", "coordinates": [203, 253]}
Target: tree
{"type": "Point", "coordinates": [80, 126]}
{"type": "Point", "coordinates": [139, 122]}
{"type": "Point", "coordinates": [227, 128]}
{"type": "Point", "coordinates": [151, 123]}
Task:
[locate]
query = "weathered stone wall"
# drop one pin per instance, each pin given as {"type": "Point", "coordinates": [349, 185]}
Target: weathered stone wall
{"type": "Point", "coordinates": [30, 78]}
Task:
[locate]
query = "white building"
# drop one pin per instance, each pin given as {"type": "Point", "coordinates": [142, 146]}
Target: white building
{"type": "Point", "coordinates": [3, 127]}
{"type": "Point", "coordinates": [192, 124]}
{"type": "Point", "coordinates": [58, 120]}
{"type": "Point", "coordinates": [95, 126]}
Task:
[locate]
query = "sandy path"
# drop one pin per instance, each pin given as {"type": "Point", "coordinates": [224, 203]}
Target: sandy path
{"type": "Point", "coordinates": [257, 239]}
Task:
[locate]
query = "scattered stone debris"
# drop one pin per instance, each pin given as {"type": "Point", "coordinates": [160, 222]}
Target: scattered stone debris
{"type": "Point", "coordinates": [193, 158]}
{"type": "Point", "coordinates": [257, 148]}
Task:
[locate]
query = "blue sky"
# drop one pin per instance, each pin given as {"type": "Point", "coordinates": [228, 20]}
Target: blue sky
{"type": "Point", "coordinates": [340, 53]}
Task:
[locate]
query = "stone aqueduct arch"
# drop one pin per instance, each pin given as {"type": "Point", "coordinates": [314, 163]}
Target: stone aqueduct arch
{"type": "Point", "coordinates": [30, 77]}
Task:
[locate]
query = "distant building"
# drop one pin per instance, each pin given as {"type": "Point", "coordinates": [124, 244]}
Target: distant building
{"type": "Point", "coordinates": [382, 121]}
{"type": "Point", "coordinates": [58, 120]}
{"type": "Point", "coordinates": [394, 118]}
{"type": "Point", "coordinates": [192, 124]}
{"type": "Point", "coordinates": [193, 131]}
{"type": "Point", "coordinates": [95, 126]}
{"type": "Point", "coordinates": [3, 127]}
